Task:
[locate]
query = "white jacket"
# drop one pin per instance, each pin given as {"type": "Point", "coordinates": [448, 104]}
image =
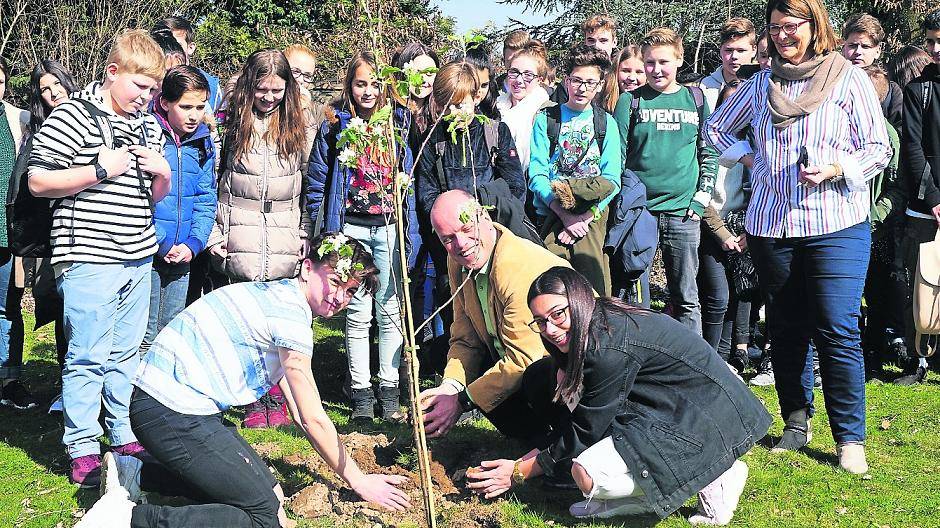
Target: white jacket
{"type": "Point", "coordinates": [521, 118]}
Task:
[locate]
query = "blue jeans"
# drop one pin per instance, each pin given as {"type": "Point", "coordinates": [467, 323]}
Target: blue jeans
{"type": "Point", "coordinates": [814, 289]}
{"type": "Point", "coordinates": [11, 322]}
{"type": "Point", "coordinates": [382, 243]}
{"type": "Point", "coordinates": [678, 240]}
{"type": "Point", "coordinates": [169, 284]}
{"type": "Point", "coordinates": [106, 309]}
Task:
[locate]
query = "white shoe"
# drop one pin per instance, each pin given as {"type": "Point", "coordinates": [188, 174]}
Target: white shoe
{"type": "Point", "coordinates": [602, 509]}
{"type": "Point", "coordinates": [121, 473]}
{"type": "Point", "coordinates": [852, 457]}
{"type": "Point", "coordinates": [113, 510]}
{"type": "Point", "coordinates": [763, 379]}
{"type": "Point", "coordinates": [56, 406]}
{"type": "Point", "coordinates": [718, 500]}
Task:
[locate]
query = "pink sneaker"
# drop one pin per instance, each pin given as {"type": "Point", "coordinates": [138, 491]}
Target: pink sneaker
{"type": "Point", "coordinates": [276, 406]}
{"type": "Point", "coordinates": [255, 416]}
{"type": "Point", "coordinates": [133, 449]}
{"type": "Point", "coordinates": [86, 471]}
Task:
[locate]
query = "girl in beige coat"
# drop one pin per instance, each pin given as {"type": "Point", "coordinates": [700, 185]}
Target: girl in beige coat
{"type": "Point", "coordinates": [260, 232]}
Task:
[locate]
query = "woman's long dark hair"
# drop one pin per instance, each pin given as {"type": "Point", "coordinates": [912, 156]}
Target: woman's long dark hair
{"type": "Point", "coordinates": [37, 107]}
{"type": "Point", "coordinates": [907, 64]}
{"type": "Point", "coordinates": [581, 304]}
{"type": "Point", "coordinates": [479, 58]}
{"type": "Point", "coordinates": [421, 110]}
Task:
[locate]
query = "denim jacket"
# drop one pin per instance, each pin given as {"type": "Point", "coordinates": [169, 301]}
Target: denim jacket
{"type": "Point", "coordinates": [677, 415]}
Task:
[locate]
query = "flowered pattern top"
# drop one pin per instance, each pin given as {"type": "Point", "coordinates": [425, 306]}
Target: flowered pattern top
{"type": "Point", "coordinates": [371, 188]}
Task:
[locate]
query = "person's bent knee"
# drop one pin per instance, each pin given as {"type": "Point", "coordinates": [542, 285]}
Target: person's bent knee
{"type": "Point", "coordinates": [581, 478]}
{"type": "Point", "coordinates": [265, 513]}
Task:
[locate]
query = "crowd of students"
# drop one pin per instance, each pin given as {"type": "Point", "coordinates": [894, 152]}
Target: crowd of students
{"type": "Point", "coordinates": [799, 178]}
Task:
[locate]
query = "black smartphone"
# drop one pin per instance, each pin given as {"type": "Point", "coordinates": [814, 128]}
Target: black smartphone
{"type": "Point", "coordinates": [803, 160]}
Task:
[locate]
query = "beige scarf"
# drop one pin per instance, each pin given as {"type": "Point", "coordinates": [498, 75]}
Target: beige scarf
{"type": "Point", "coordinates": [824, 72]}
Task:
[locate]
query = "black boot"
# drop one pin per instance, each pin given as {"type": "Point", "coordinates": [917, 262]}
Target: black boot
{"type": "Point", "coordinates": [917, 377]}
{"type": "Point", "coordinates": [363, 402]}
{"type": "Point", "coordinates": [388, 400]}
{"type": "Point", "coordinates": [797, 432]}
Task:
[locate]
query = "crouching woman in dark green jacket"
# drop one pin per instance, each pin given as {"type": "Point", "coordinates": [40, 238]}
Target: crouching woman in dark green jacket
{"type": "Point", "coordinates": [655, 415]}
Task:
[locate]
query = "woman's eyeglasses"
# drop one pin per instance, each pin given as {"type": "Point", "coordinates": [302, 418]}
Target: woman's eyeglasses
{"type": "Point", "coordinates": [557, 318]}
{"type": "Point", "coordinates": [306, 76]}
{"type": "Point", "coordinates": [526, 76]}
{"type": "Point", "coordinates": [788, 29]}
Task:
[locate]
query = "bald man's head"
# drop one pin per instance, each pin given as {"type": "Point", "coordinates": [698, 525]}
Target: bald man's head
{"type": "Point", "coordinates": [464, 228]}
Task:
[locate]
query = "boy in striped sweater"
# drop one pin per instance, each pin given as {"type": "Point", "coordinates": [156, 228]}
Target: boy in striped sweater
{"type": "Point", "coordinates": [99, 155]}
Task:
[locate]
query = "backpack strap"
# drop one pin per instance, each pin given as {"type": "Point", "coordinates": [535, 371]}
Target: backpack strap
{"type": "Point", "coordinates": [439, 147]}
{"type": "Point", "coordinates": [634, 110]}
{"type": "Point", "coordinates": [699, 97]}
{"type": "Point", "coordinates": [927, 174]}
{"type": "Point", "coordinates": [491, 136]}
{"type": "Point", "coordinates": [100, 119]}
{"type": "Point", "coordinates": [600, 126]}
{"type": "Point", "coordinates": [552, 128]}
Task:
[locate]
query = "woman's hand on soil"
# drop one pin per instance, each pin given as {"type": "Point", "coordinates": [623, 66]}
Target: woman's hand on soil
{"type": "Point", "coordinates": [382, 490]}
{"type": "Point", "coordinates": [493, 479]}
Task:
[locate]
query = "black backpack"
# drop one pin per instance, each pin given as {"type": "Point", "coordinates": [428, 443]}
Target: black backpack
{"type": "Point", "coordinates": [29, 218]}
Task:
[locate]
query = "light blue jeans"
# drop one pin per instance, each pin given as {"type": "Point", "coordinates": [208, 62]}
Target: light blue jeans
{"type": "Point", "coordinates": [382, 243]}
{"type": "Point", "coordinates": [106, 307]}
{"type": "Point", "coordinates": [11, 323]}
{"type": "Point", "coordinates": [169, 284]}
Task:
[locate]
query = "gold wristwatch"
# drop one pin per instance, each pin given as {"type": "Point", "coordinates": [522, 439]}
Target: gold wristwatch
{"type": "Point", "coordinates": [517, 476]}
{"type": "Point", "coordinates": [839, 175]}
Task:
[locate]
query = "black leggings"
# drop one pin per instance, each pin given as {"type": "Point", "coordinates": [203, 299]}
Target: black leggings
{"type": "Point", "coordinates": [205, 461]}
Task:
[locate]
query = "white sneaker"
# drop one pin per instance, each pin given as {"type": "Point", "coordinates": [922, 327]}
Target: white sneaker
{"type": "Point", "coordinates": [56, 406]}
{"type": "Point", "coordinates": [121, 473]}
{"type": "Point", "coordinates": [718, 500]}
{"type": "Point", "coordinates": [113, 510]}
{"type": "Point", "coordinates": [765, 374]}
{"type": "Point", "coordinates": [852, 457]}
{"type": "Point", "coordinates": [602, 509]}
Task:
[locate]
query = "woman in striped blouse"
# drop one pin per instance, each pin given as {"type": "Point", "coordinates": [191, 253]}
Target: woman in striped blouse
{"type": "Point", "coordinates": [820, 137]}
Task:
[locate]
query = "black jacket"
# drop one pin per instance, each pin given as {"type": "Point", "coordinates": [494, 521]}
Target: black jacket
{"type": "Point", "coordinates": [893, 105]}
{"type": "Point", "coordinates": [677, 415]}
{"type": "Point", "coordinates": [920, 142]}
{"type": "Point", "coordinates": [458, 173]}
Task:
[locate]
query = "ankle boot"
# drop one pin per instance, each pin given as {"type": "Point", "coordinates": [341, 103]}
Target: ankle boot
{"type": "Point", "coordinates": [388, 400]}
{"type": "Point", "coordinates": [797, 432]}
{"type": "Point", "coordinates": [363, 402]}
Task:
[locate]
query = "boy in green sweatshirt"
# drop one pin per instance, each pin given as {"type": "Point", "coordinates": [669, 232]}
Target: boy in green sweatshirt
{"type": "Point", "coordinates": [661, 144]}
{"type": "Point", "coordinates": [574, 176]}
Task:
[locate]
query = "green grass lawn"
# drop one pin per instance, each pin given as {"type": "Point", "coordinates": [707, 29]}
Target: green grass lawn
{"type": "Point", "coordinates": [798, 489]}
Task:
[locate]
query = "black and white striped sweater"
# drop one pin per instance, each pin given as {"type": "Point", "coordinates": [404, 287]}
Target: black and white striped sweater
{"type": "Point", "coordinates": [111, 221]}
